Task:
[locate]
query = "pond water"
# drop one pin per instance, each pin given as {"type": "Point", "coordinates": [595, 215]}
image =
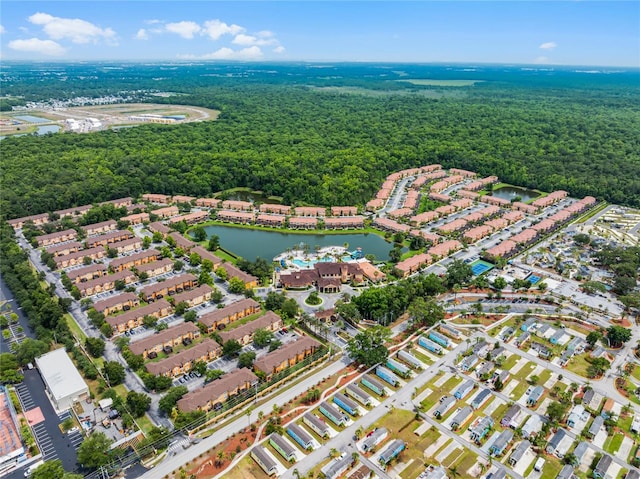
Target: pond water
{"type": "Point", "coordinates": [268, 244]}
{"type": "Point", "coordinates": [32, 119]}
{"type": "Point", "coordinates": [510, 192]}
{"type": "Point", "coordinates": [42, 130]}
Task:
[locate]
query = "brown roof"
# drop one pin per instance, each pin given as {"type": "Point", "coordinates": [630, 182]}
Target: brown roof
{"type": "Point", "coordinates": [193, 293]}
{"type": "Point", "coordinates": [96, 226]}
{"type": "Point", "coordinates": [206, 254]}
{"type": "Point", "coordinates": [287, 351]}
{"type": "Point", "coordinates": [120, 201]}
{"type": "Point", "coordinates": [249, 328]}
{"type": "Point", "coordinates": [188, 355]}
{"type": "Point", "coordinates": [92, 268]}
{"type": "Point", "coordinates": [174, 332]}
{"type": "Point", "coordinates": [303, 220]}
{"type": "Point", "coordinates": [57, 234]}
{"type": "Point", "coordinates": [144, 268]}
{"type": "Point", "coordinates": [168, 283]}
{"type": "Point", "coordinates": [112, 235]}
{"type": "Point", "coordinates": [181, 241]}
{"type": "Point", "coordinates": [109, 278]}
{"type": "Point", "coordinates": [212, 391]}
{"type": "Point", "coordinates": [73, 211]}
{"type": "Point", "coordinates": [79, 254]}
{"type": "Point", "coordinates": [234, 272]}
{"type": "Point", "coordinates": [138, 313]}
{"type": "Point", "coordinates": [136, 217]}
{"type": "Point", "coordinates": [117, 262]}
{"type": "Point", "coordinates": [217, 315]}
{"type": "Point", "coordinates": [299, 279]}
{"type": "Point", "coordinates": [159, 227]}
{"type": "Point", "coordinates": [110, 302]}
{"type": "Point", "coordinates": [63, 247]}
{"type": "Point", "coordinates": [125, 243]}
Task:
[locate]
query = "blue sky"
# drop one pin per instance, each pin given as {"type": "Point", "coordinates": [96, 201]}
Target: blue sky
{"type": "Point", "coordinates": [543, 32]}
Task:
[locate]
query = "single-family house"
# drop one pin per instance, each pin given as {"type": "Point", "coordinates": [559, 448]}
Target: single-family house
{"type": "Point", "coordinates": [510, 418]}
{"type": "Point", "coordinates": [333, 413]}
{"type": "Point", "coordinates": [485, 368]}
{"type": "Point", "coordinates": [579, 452]}
{"type": "Point", "coordinates": [501, 444]}
{"type": "Point", "coordinates": [481, 428]}
{"type": "Point", "coordinates": [577, 415]}
{"type": "Point", "coordinates": [264, 460]}
{"type": "Point", "coordinates": [566, 472]}
{"type": "Point", "coordinates": [469, 362]}
{"type": "Point", "coordinates": [555, 441]}
{"type": "Point", "coordinates": [480, 398]}
{"type": "Point", "coordinates": [391, 451]}
{"type": "Point", "coordinates": [601, 469]}
{"type": "Point", "coordinates": [374, 438]}
{"type": "Point", "coordinates": [360, 395]}
{"type": "Point", "coordinates": [532, 426]}
{"type": "Point", "coordinates": [595, 426]}
{"type": "Point", "coordinates": [464, 389]}
{"type": "Point", "coordinates": [519, 452]}
{"type": "Point", "coordinates": [301, 436]}
{"type": "Point", "coordinates": [337, 467]}
{"type": "Point", "coordinates": [284, 447]}
{"type": "Point", "coordinates": [316, 424]}
{"type": "Point", "coordinates": [535, 395]}
{"type": "Point", "coordinates": [461, 417]}
{"type": "Point", "coordinates": [446, 403]}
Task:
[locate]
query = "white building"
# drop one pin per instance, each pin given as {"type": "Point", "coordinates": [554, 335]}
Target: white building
{"type": "Point", "coordinates": [63, 382]}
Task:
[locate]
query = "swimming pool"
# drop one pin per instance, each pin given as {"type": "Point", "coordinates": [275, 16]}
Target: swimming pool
{"type": "Point", "coordinates": [309, 264]}
{"type": "Point", "coordinates": [479, 267]}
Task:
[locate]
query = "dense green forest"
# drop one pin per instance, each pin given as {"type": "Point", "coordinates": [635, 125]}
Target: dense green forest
{"type": "Point", "coordinates": [326, 138]}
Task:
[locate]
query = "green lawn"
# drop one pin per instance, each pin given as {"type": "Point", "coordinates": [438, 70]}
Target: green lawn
{"type": "Point", "coordinates": [525, 371]}
{"type": "Point", "coordinates": [636, 372]}
{"type": "Point", "coordinates": [75, 329]}
{"type": "Point", "coordinates": [544, 377]}
{"type": "Point", "coordinates": [519, 390]}
{"type": "Point", "coordinates": [439, 392]}
{"type": "Point", "coordinates": [510, 362]}
{"type": "Point", "coordinates": [612, 444]}
{"type": "Point", "coordinates": [579, 365]}
{"type": "Point", "coordinates": [552, 467]}
{"type": "Point", "coordinates": [145, 423]}
{"type": "Point", "coordinates": [420, 356]}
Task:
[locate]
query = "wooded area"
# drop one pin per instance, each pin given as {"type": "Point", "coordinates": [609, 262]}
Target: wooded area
{"type": "Point", "coordinates": [318, 146]}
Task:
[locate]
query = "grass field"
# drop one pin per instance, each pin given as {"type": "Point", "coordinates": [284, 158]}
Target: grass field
{"type": "Point", "coordinates": [612, 444]}
{"type": "Point", "coordinates": [247, 468]}
{"type": "Point", "coordinates": [578, 364]}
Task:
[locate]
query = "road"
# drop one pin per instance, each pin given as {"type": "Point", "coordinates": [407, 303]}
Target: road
{"type": "Point", "coordinates": [186, 455]}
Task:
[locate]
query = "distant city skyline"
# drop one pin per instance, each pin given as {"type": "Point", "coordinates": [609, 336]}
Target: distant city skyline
{"type": "Point", "coordinates": [516, 32]}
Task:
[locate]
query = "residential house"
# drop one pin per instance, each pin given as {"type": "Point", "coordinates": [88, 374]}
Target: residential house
{"type": "Point", "coordinates": [392, 451]}
{"type": "Point", "coordinates": [601, 469]}
{"type": "Point", "coordinates": [535, 395]}
{"type": "Point", "coordinates": [237, 205]}
{"type": "Point", "coordinates": [284, 447]}
{"type": "Point", "coordinates": [387, 375]}
{"type": "Point", "coordinates": [208, 202]}
{"type": "Point", "coordinates": [99, 228]}
{"type": "Point", "coordinates": [502, 375]}
{"type": "Point", "coordinates": [36, 220]}
{"type": "Point", "coordinates": [244, 334]}
{"type": "Point", "coordinates": [270, 220]}
{"type": "Point", "coordinates": [481, 428]}
{"type": "Point", "coordinates": [155, 268]}
{"type": "Point", "coordinates": [182, 242]}
{"type": "Point", "coordinates": [555, 441]}
{"type": "Point", "coordinates": [434, 472]}
{"type": "Point", "coordinates": [409, 358]}
{"type": "Point", "coordinates": [173, 285]}
{"type": "Point", "coordinates": [374, 385]}
{"type": "Point", "coordinates": [166, 212]}
{"type": "Point", "coordinates": [635, 424]}
{"type": "Point", "coordinates": [158, 227]}
{"type": "Point", "coordinates": [57, 237]}
{"type": "Point", "coordinates": [183, 362]}
{"type": "Point", "coordinates": [576, 345]}
{"type": "Point", "coordinates": [469, 362]}
{"type": "Point", "coordinates": [461, 417]}
{"type": "Point", "coordinates": [303, 222]}
{"type": "Point", "coordinates": [301, 436]}
{"type": "Point", "coordinates": [595, 426]}
{"type": "Point", "coordinates": [183, 333]}
{"type": "Point", "coordinates": [358, 394]}
{"type": "Point", "coordinates": [194, 297]}
{"type": "Point", "coordinates": [591, 399]}
{"type": "Point", "coordinates": [126, 246]}
{"type": "Point", "coordinates": [108, 238]}
{"type": "Point", "coordinates": [105, 283]}
{"type": "Point", "coordinates": [134, 260]}
{"type": "Point", "coordinates": [510, 418]}
{"type": "Point", "coordinates": [519, 452]}
{"type": "Point", "coordinates": [495, 353]}
{"type": "Point", "coordinates": [220, 318]}
{"type": "Point", "coordinates": [310, 211]}
{"type": "Point", "coordinates": [446, 403]}
{"type": "Point", "coordinates": [580, 451]}
{"type": "Point", "coordinates": [377, 436]}
{"type": "Point", "coordinates": [560, 337]}
{"type": "Point", "coordinates": [598, 352]}
{"type": "Point", "coordinates": [485, 368]}
{"type": "Point", "coordinates": [286, 356]}
{"type": "Point", "coordinates": [87, 273]}
{"type": "Point", "coordinates": [522, 339]}
{"type": "Point", "coordinates": [118, 302]}
{"type": "Point", "coordinates": [337, 467]}
{"type": "Point", "coordinates": [74, 259]}
{"type": "Point", "coordinates": [156, 198]}
{"type": "Point", "coordinates": [64, 248]}
{"type": "Point", "coordinates": [73, 212]}
{"type": "Point", "coordinates": [264, 460]}
{"type": "Point", "coordinates": [532, 426]}
{"type": "Point", "coordinates": [542, 350]}
{"type": "Point", "coordinates": [464, 389]}
{"type": "Point", "coordinates": [316, 424]}
{"type": "Point", "coordinates": [577, 415]}
{"type": "Point", "coordinates": [136, 218]}
{"type": "Point", "coordinates": [566, 472]}
{"type": "Point", "coordinates": [501, 444]}
{"type": "Point", "coordinates": [333, 413]}
{"type": "Point", "coordinates": [480, 398]}
{"type": "Point", "coordinates": [344, 211]}
{"type": "Point", "coordinates": [632, 474]}
{"type": "Point", "coordinates": [133, 318]}
{"type": "Point", "coordinates": [206, 255]}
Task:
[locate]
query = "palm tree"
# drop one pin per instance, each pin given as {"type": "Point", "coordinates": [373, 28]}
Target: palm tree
{"type": "Point", "coordinates": [296, 473]}
{"type": "Point", "coordinates": [355, 457]}
{"type": "Point", "coordinates": [334, 452]}
{"type": "Point", "coordinates": [219, 457]}
{"type": "Point", "coordinates": [260, 415]}
{"type": "Point", "coordinates": [358, 433]}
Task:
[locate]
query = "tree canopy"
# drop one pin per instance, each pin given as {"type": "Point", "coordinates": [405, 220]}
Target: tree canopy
{"type": "Point", "coordinates": [368, 347]}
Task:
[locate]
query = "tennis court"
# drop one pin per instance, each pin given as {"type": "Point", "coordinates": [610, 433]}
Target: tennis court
{"type": "Point", "coordinates": [480, 267]}
{"type": "Point", "coordinates": [533, 279]}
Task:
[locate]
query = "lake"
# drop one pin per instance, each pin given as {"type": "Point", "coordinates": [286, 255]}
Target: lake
{"type": "Point", "coordinates": [253, 196]}
{"type": "Point", "coordinates": [510, 192]}
{"type": "Point", "coordinates": [268, 244]}
{"type": "Point", "coordinates": [42, 130]}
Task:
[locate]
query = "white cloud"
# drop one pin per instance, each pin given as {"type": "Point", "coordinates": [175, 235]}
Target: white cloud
{"type": "Point", "coordinates": [249, 40]}
{"type": "Point", "coordinates": [548, 45]}
{"type": "Point", "coordinates": [279, 49]}
{"type": "Point", "coordinates": [142, 35]}
{"type": "Point", "coordinates": [215, 29]}
{"type": "Point", "coordinates": [184, 29]}
{"type": "Point", "coordinates": [225, 53]}
{"type": "Point", "coordinates": [44, 47]}
{"type": "Point", "coordinates": [2, 30]}
{"type": "Point", "coordinates": [152, 21]}
{"type": "Point", "coordinates": [75, 29]}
